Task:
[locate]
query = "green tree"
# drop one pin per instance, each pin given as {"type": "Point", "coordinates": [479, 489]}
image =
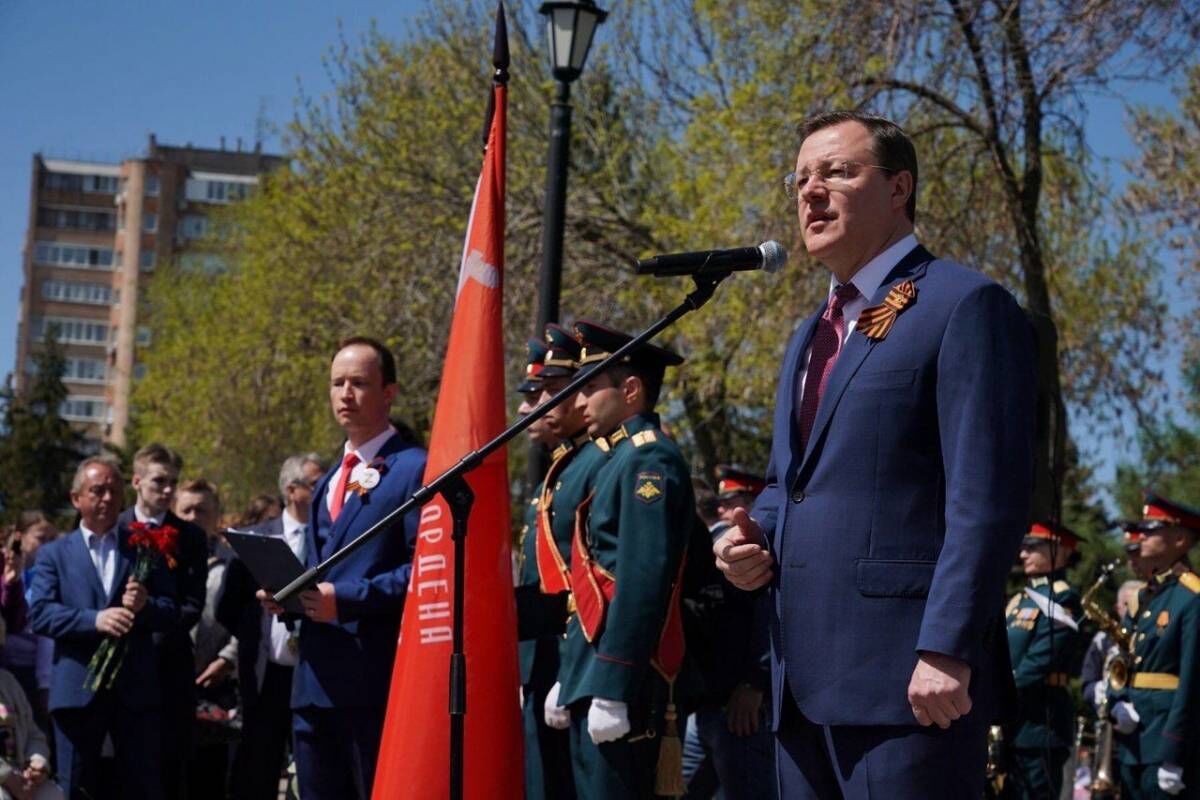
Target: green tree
{"type": "Point", "coordinates": [38, 449]}
{"type": "Point", "coordinates": [363, 234]}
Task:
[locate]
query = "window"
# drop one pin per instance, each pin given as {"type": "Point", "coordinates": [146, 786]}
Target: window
{"type": "Point", "coordinates": [82, 408]}
{"type": "Point", "coordinates": [85, 370]}
{"type": "Point", "coordinates": [192, 226]}
{"type": "Point", "coordinates": [70, 330]}
{"type": "Point", "coordinates": [75, 219]}
{"type": "Point", "coordinates": [139, 371]}
{"type": "Point", "coordinates": [149, 222]}
{"type": "Point", "coordinates": [72, 255]}
{"type": "Point", "coordinates": [151, 188]}
{"type": "Point", "coordinates": [143, 335]}
{"type": "Point", "coordinates": [67, 182]}
{"type": "Point", "coordinates": [202, 190]}
{"type": "Point", "coordinates": [148, 258]}
{"type": "Point", "coordinates": [69, 292]}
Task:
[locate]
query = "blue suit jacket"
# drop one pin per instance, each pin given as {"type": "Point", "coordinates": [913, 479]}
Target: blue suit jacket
{"type": "Point", "coordinates": [894, 530]}
{"type": "Point", "coordinates": [349, 663]}
{"type": "Point", "coordinates": [67, 596]}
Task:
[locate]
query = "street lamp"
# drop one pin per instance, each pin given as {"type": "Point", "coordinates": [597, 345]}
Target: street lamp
{"type": "Point", "coordinates": [569, 30]}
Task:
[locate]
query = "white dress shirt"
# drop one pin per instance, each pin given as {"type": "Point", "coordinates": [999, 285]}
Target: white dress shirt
{"type": "Point", "coordinates": [867, 280]}
{"type": "Point", "coordinates": [145, 518]}
{"type": "Point", "coordinates": [103, 549]}
{"type": "Point", "coordinates": [365, 452]}
{"type": "Point", "coordinates": [273, 644]}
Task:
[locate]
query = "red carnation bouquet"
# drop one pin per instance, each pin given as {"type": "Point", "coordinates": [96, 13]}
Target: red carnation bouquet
{"type": "Point", "coordinates": [152, 544]}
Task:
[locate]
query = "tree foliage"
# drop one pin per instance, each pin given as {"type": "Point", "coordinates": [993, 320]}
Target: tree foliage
{"type": "Point", "coordinates": [38, 449]}
{"type": "Point", "coordinates": [683, 127]}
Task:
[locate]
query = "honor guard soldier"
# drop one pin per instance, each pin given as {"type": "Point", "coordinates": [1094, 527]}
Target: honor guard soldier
{"type": "Point", "coordinates": [573, 465]}
{"type": "Point", "coordinates": [1156, 713]}
{"type": "Point", "coordinates": [547, 760]}
{"type": "Point", "coordinates": [1044, 643]}
{"type": "Point", "coordinates": [624, 646]}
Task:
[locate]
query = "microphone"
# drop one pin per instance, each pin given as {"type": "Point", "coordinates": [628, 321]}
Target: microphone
{"type": "Point", "coordinates": [768, 256]}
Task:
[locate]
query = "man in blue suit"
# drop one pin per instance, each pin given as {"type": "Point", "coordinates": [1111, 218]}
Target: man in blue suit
{"type": "Point", "coordinates": [898, 490]}
{"type": "Point", "coordinates": [82, 593]}
{"type": "Point", "coordinates": [352, 619]}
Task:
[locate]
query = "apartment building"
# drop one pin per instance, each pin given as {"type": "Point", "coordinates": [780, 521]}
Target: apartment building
{"type": "Point", "coordinates": [97, 232]}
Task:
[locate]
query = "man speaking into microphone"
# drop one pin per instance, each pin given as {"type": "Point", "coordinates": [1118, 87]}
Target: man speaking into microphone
{"type": "Point", "coordinates": [898, 489]}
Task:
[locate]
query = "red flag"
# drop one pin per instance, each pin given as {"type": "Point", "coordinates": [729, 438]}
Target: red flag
{"type": "Point", "coordinates": [414, 758]}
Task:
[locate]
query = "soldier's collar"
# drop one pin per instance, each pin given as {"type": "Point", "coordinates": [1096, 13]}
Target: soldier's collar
{"type": "Point", "coordinates": [1172, 572]}
{"type": "Point", "coordinates": [1039, 580]}
{"type": "Point", "coordinates": [571, 443]}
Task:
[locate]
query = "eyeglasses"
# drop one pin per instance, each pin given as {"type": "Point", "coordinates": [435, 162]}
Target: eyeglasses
{"type": "Point", "coordinates": [834, 175]}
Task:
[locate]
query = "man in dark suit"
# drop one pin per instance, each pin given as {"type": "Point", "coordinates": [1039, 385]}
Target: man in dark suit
{"type": "Point", "coordinates": [352, 618]}
{"type": "Point", "coordinates": [898, 489]}
{"type": "Point", "coordinates": [267, 645]}
{"type": "Point", "coordinates": [82, 593]}
{"type": "Point", "coordinates": [155, 478]}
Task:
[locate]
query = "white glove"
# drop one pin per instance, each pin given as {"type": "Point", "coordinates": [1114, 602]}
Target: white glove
{"type": "Point", "coordinates": [1170, 778]}
{"type": "Point", "coordinates": [1125, 717]}
{"type": "Point", "coordinates": [608, 720]}
{"type": "Point", "coordinates": [1098, 692]}
{"type": "Point", "coordinates": [557, 717]}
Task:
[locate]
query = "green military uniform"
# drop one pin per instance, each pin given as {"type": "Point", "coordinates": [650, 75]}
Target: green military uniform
{"type": "Point", "coordinates": [1164, 681]}
{"type": "Point", "coordinates": [547, 758]}
{"type": "Point", "coordinates": [546, 548]}
{"type": "Point", "coordinates": [1043, 647]}
{"type": "Point", "coordinates": [634, 531]}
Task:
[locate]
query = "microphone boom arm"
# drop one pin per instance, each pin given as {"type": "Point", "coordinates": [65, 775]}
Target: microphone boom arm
{"type": "Point", "coordinates": [706, 285]}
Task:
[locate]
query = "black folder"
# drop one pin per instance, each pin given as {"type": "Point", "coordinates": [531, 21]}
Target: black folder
{"type": "Point", "coordinates": [270, 561]}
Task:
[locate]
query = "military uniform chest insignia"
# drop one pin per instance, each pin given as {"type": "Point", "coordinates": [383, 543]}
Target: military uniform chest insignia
{"type": "Point", "coordinates": [648, 486]}
{"type": "Point", "coordinates": [1164, 619]}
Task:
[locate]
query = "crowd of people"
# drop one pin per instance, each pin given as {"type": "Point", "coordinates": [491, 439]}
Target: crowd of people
{"type": "Point", "coordinates": [833, 628]}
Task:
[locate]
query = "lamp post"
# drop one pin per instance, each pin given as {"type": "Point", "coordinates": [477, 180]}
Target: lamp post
{"type": "Point", "coordinates": [570, 25]}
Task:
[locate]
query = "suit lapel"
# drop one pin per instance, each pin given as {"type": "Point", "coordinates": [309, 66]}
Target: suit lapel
{"type": "Point", "coordinates": [858, 347]}
{"type": "Point", "coordinates": [790, 384]}
{"type": "Point", "coordinates": [84, 556]}
{"type": "Point", "coordinates": [355, 503]}
{"type": "Point", "coordinates": [121, 564]}
{"type": "Point", "coordinates": [312, 548]}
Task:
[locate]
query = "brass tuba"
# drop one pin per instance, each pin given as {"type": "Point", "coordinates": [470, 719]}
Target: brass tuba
{"type": "Point", "coordinates": [1116, 676]}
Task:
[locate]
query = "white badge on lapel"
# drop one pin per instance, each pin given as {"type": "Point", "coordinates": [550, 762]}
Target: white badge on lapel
{"type": "Point", "coordinates": [369, 478]}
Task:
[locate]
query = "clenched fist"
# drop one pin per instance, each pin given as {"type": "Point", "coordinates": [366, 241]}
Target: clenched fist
{"type": "Point", "coordinates": [742, 554]}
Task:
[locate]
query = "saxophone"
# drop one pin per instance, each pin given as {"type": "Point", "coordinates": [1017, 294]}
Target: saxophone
{"type": "Point", "coordinates": [1116, 676]}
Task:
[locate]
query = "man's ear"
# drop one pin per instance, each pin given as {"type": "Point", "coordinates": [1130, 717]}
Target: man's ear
{"type": "Point", "coordinates": [903, 190]}
{"type": "Point", "coordinates": [390, 391]}
{"type": "Point", "coordinates": [633, 390]}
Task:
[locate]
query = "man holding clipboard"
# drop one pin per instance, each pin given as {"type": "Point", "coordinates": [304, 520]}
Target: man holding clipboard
{"type": "Point", "coordinates": [268, 646]}
{"type": "Point", "coordinates": [352, 618]}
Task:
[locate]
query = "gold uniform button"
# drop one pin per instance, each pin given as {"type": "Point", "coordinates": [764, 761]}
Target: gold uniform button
{"type": "Point", "coordinates": [1145, 615]}
{"type": "Point", "coordinates": [1141, 636]}
{"type": "Point", "coordinates": [1137, 660]}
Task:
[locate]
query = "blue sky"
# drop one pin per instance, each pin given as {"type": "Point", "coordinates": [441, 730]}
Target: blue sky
{"type": "Point", "coordinates": [92, 80]}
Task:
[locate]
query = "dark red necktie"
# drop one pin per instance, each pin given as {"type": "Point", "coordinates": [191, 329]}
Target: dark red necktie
{"type": "Point", "coordinates": [826, 344]}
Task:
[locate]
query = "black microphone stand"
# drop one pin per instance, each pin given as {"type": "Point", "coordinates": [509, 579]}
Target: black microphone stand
{"type": "Point", "coordinates": [452, 485]}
